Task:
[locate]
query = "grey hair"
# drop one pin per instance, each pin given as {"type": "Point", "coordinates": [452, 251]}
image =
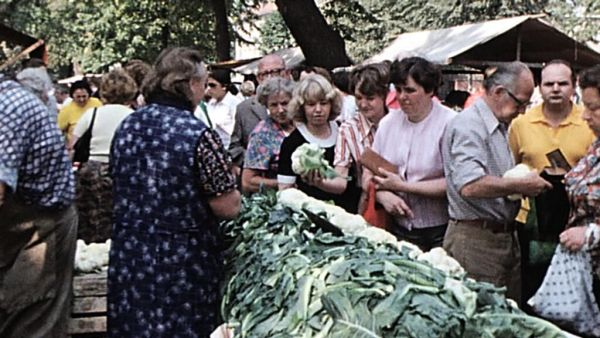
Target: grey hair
{"type": "Point", "coordinates": [37, 80]}
{"type": "Point", "coordinates": [272, 86]}
{"type": "Point", "coordinates": [506, 75]}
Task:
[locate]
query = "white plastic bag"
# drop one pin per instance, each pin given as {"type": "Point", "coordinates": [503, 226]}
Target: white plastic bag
{"type": "Point", "coordinates": [566, 294]}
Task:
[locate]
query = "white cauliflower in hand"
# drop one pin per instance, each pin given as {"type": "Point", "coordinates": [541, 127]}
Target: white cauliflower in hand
{"type": "Point", "coordinates": [519, 171]}
{"type": "Point", "coordinates": [309, 157]}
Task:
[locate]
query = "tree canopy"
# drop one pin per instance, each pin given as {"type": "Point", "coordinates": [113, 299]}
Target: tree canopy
{"type": "Point", "coordinates": [95, 34]}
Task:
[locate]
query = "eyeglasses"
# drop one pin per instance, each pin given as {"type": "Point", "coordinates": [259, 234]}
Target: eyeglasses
{"type": "Point", "coordinates": [520, 104]}
{"type": "Point", "coordinates": [271, 72]}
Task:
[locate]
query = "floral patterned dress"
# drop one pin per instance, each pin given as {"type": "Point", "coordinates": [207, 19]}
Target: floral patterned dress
{"type": "Point", "coordinates": [165, 260]}
{"type": "Point", "coordinates": [263, 147]}
{"type": "Point", "coordinates": [583, 187]}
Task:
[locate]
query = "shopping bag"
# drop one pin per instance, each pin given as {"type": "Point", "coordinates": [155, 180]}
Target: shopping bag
{"type": "Point", "coordinates": [374, 214]}
{"type": "Point", "coordinates": [566, 295]}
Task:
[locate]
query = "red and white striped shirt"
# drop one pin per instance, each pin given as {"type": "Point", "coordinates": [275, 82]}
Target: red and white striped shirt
{"type": "Point", "coordinates": [354, 135]}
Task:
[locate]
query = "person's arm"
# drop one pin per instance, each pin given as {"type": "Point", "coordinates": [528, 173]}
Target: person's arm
{"type": "Point", "coordinates": [286, 178]}
{"type": "Point", "coordinates": [467, 169]}
{"type": "Point", "coordinates": [252, 180]}
{"type": "Point", "coordinates": [429, 188]}
{"type": "Point", "coordinates": [227, 205]}
{"type": "Point", "coordinates": [216, 181]}
{"type": "Point", "coordinates": [393, 204]}
{"type": "Point", "coordinates": [335, 185]}
{"type": "Point", "coordinates": [493, 186]}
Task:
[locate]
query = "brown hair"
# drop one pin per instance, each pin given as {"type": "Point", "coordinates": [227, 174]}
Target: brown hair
{"type": "Point", "coordinates": [371, 80]}
{"type": "Point", "coordinates": [172, 71]}
{"type": "Point", "coordinates": [118, 87]}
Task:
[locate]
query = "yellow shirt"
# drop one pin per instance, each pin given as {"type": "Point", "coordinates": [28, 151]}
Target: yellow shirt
{"type": "Point", "coordinates": [531, 137]}
{"type": "Point", "coordinates": [71, 113]}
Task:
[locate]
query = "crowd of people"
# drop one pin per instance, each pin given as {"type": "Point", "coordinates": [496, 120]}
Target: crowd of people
{"type": "Point", "coordinates": [174, 145]}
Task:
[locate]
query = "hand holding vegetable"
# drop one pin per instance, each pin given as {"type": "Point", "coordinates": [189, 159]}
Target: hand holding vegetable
{"type": "Point", "coordinates": [309, 157]}
{"type": "Point", "coordinates": [393, 204]}
{"type": "Point", "coordinates": [313, 177]}
{"type": "Point", "coordinates": [528, 182]}
{"type": "Point", "coordinates": [388, 181]}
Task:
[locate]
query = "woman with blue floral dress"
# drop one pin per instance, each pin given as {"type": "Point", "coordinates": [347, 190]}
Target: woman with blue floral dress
{"type": "Point", "coordinates": [171, 183]}
{"type": "Point", "coordinates": [262, 155]}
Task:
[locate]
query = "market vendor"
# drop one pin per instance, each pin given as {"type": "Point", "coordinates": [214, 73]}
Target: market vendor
{"type": "Point", "coordinates": [172, 183]}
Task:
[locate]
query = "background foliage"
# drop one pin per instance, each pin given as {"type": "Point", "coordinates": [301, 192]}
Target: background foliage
{"type": "Point", "coordinates": [95, 34]}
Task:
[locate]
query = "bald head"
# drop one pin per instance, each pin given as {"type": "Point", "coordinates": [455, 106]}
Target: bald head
{"type": "Point", "coordinates": [271, 65]}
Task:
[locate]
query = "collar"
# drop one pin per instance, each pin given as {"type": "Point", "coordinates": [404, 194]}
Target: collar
{"type": "Point", "coordinates": [490, 120]}
{"type": "Point", "coordinates": [536, 115]}
{"type": "Point", "coordinates": [368, 127]}
{"type": "Point", "coordinates": [168, 99]}
{"type": "Point", "coordinates": [323, 143]}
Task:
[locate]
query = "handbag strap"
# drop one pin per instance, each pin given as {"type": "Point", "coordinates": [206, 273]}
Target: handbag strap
{"type": "Point", "coordinates": [92, 123]}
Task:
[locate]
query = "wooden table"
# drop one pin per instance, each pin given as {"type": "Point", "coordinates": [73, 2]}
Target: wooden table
{"type": "Point", "coordinates": [88, 316]}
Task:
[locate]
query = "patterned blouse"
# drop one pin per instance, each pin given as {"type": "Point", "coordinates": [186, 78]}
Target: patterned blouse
{"type": "Point", "coordinates": [583, 186]}
{"type": "Point", "coordinates": [263, 147]}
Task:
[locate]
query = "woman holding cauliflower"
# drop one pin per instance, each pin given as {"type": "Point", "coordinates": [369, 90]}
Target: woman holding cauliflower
{"type": "Point", "coordinates": [314, 106]}
{"type": "Point", "coordinates": [262, 155]}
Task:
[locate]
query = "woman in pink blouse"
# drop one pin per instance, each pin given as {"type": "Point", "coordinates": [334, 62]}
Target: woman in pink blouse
{"type": "Point", "coordinates": [411, 139]}
{"type": "Point", "coordinates": [583, 183]}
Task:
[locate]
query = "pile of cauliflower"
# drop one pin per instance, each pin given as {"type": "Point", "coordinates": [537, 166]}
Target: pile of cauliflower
{"type": "Point", "coordinates": [355, 225]}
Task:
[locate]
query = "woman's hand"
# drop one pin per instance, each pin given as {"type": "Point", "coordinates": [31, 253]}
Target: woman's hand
{"type": "Point", "coordinates": [388, 181]}
{"type": "Point", "coordinates": [393, 204]}
{"type": "Point", "coordinates": [313, 178]}
{"type": "Point", "coordinates": [573, 238]}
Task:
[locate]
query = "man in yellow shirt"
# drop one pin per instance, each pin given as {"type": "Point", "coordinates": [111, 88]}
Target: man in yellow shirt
{"type": "Point", "coordinates": [68, 116]}
{"type": "Point", "coordinates": [556, 124]}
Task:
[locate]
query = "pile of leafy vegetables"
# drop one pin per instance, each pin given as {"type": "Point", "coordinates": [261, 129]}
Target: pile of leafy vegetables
{"type": "Point", "coordinates": [289, 279]}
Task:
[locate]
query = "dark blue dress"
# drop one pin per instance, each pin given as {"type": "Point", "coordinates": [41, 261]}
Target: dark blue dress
{"type": "Point", "coordinates": [165, 261]}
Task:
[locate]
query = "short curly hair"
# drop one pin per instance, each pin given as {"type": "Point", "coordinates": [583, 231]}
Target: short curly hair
{"type": "Point", "coordinates": [314, 87]}
{"type": "Point", "coordinates": [117, 87]}
{"type": "Point", "coordinates": [272, 86]}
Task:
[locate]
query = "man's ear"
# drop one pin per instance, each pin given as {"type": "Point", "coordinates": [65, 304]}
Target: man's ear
{"type": "Point", "coordinates": [497, 91]}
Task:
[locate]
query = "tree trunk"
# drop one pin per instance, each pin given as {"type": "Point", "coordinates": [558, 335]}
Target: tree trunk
{"type": "Point", "coordinates": [321, 45]}
{"type": "Point", "coordinates": [221, 30]}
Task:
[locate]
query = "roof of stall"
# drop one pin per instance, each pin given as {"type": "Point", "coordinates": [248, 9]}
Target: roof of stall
{"type": "Point", "coordinates": [528, 38]}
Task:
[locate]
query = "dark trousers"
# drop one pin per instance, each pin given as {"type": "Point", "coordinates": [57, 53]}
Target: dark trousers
{"type": "Point", "coordinates": [426, 238]}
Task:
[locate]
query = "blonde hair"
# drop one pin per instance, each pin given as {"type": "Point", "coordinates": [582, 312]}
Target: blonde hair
{"type": "Point", "coordinates": [314, 87]}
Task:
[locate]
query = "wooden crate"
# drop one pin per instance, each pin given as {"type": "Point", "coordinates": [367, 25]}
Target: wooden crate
{"type": "Point", "coordinates": [88, 316]}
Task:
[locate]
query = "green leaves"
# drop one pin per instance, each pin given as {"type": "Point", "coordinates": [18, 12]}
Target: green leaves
{"type": "Point", "coordinates": [289, 279]}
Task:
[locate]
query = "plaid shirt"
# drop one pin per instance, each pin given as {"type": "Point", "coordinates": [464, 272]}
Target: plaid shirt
{"type": "Point", "coordinates": [33, 158]}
